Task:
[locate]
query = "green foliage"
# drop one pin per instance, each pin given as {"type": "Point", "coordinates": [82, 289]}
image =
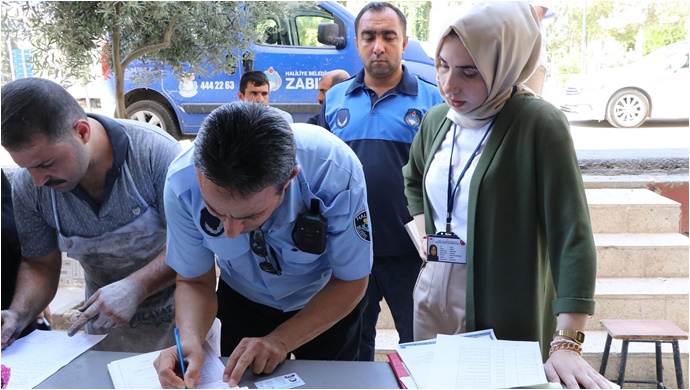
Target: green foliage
{"type": "Point", "coordinates": [189, 36]}
{"type": "Point", "coordinates": [417, 16]}
{"type": "Point", "coordinates": [666, 23]}
{"type": "Point", "coordinates": [9, 31]}
{"type": "Point", "coordinates": [307, 26]}
{"type": "Point", "coordinates": [657, 37]}
{"type": "Point", "coordinates": [614, 32]}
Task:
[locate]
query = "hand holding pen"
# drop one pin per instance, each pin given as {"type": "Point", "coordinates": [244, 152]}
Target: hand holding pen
{"type": "Point", "coordinates": [178, 367]}
{"type": "Point", "coordinates": [180, 355]}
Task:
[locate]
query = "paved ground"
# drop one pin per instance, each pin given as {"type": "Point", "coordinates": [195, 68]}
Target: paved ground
{"type": "Point", "coordinates": [592, 136]}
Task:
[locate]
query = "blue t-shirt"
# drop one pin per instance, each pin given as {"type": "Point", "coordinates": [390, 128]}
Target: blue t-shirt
{"type": "Point", "coordinates": [331, 173]}
{"type": "Point", "coordinates": [380, 130]}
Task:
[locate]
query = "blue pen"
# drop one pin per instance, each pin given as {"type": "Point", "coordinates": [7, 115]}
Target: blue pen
{"type": "Point", "coordinates": [179, 351]}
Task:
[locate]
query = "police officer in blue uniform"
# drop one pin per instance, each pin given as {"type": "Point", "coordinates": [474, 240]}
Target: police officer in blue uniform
{"type": "Point", "coordinates": [284, 213]}
{"type": "Point", "coordinates": [377, 113]}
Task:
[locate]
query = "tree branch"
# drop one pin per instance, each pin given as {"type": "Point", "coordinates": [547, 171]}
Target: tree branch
{"type": "Point", "coordinates": [117, 69]}
{"type": "Point", "coordinates": [163, 45]}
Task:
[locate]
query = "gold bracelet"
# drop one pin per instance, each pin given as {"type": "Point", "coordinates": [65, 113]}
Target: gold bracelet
{"type": "Point", "coordinates": [564, 345]}
{"type": "Point", "coordinates": [554, 342]}
{"type": "Point", "coordinates": [576, 335]}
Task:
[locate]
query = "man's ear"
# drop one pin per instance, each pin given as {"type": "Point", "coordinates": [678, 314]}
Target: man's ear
{"type": "Point", "coordinates": [295, 172]}
{"type": "Point", "coordinates": [240, 95]}
{"type": "Point", "coordinates": [82, 131]}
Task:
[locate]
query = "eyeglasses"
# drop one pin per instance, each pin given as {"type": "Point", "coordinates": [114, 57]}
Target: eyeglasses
{"type": "Point", "coordinates": [258, 244]}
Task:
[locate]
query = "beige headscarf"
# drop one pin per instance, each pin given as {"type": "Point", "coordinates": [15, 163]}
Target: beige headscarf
{"type": "Point", "coordinates": [504, 41]}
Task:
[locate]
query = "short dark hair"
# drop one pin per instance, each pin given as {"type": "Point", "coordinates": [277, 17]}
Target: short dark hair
{"type": "Point", "coordinates": [245, 147]}
{"type": "Point", "coordinates": [256, 77]}
{"type": "Point", "coordinates": [33, 107]}
{"type": "Point", "coordinates": [379, 6]}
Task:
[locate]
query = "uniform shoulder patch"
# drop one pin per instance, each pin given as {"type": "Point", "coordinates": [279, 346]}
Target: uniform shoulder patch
{"type": "Point", "coordinates": [210, 225]}
{"type": "Point", "coordinates": [361, 224]}
{"type": "Point", "coordinates": [413, 117]}
{"type": "Point", "coordinates": [342, 117]}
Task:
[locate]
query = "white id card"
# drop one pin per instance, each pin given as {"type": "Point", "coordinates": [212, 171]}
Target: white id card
{"type": "Point", "coordinates": [280, 382]}
{"type": "Point", "coordinates": [446, 248]}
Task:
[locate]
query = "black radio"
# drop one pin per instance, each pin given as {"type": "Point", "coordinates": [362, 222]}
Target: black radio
{"type": "Point", "coordinates": [309, 233]}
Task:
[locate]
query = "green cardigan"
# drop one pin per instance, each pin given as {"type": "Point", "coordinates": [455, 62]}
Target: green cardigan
{"type": "Point", "coordinates": [530, 249]}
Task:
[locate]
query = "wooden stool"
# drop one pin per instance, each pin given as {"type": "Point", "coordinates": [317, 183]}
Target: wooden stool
{"type": "Point", "coordinates": [655, 331]}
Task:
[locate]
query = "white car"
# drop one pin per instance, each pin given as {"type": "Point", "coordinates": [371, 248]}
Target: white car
{"type": "Point", "coordinates": [656, 86]}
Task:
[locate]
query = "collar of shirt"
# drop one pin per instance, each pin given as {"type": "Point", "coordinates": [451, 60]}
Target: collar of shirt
{"type": "Point", "coordinates": [407, 85]}
{"type": "Point", "coordinates": [288, 209]}
{"type": "Point", "coordinates": [120, 144]}
{"type": "Point", "coordinates": [118, 138]}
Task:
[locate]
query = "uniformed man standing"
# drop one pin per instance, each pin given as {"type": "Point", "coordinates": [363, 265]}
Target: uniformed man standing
{"type": "Point", "coordinates": [377, 113]}
{"type": "Point", "coordinates": [284, 213]}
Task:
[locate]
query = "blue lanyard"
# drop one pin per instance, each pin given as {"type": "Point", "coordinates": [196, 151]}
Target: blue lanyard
{"type": "Point", "coordinates": [453, 191]}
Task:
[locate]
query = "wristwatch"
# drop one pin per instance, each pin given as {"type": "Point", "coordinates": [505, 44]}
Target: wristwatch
{"type": "Point", "coordinates": [575, 335]}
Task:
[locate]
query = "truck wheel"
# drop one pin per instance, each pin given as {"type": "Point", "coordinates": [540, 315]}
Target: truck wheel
{"type": "Point", "coordinates": [155, 113]}
{"type": "Point", "coordinates": [627, 108]}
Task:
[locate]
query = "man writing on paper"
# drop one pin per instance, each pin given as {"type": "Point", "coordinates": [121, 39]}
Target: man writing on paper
{"type": "Point", "coordinates": [284, 212]}
{"type": "Point", "coordinates": [92, 187]}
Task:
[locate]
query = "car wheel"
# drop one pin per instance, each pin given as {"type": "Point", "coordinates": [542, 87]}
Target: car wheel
{"type": "Point", "coordinates": [627, 108]}
{"type": "Point", "coordinates": [155, 113]}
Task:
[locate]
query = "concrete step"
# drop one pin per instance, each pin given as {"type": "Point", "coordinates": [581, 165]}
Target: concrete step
{"type": "Point", "coordinates": [632, 211]}
{"type": "Point", "coordinates": [642, 255]}
{"type": "Point", "coordinates": [386, 340]}
{"type": "Point", "coordinates": [673, 186]}
{"type": "Point", "coordinates": [622, 298]}
{"type": "Point", "coordinates": [641, 298]}
{"type": "Point", "coordinates": [641, 180]}
{"type": "Point", "coordinates": [640, 363]}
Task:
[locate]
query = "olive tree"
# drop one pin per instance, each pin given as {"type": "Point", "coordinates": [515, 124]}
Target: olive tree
{"type": "Point", "coordinates": [199, 37]}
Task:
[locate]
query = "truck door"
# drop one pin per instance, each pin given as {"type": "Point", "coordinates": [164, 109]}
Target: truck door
{"type": "Point", "coordinates": [198, 95]}
{"type": "Point", "coordinates": [294, 60]}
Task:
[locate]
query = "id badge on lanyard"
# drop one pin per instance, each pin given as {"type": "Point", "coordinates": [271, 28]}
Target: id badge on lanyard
{"type": "Point", "coordinates": [446, 246]}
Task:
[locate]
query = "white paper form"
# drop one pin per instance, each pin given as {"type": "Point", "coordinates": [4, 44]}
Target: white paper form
{"type": "Point", "coordinates": [138, 372]}
{"type": "Point", "coordinates": [32, 359]}
{"type": "Point", "coordinates": [412, 231]}
{"type": "Point", "coordinates": [418, 357]}
{"type": "Point", "coordinates": [464, 363]}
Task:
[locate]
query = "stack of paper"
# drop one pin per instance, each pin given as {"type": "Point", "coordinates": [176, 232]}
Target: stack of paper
{"type": "Point", "coordinates": [472, 360]}
{"type": "Point", "coordinates": [412, 231]}
{"type": "Point", "coordinates": [32, 359]}
{"type": "Point", "coordinates": [138, 372]}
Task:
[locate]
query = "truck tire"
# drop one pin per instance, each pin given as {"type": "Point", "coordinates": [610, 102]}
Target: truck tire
{"type": "Point", "coordinates": [155, 113]}
{"type": "Point", "coordinates": [627, 108]}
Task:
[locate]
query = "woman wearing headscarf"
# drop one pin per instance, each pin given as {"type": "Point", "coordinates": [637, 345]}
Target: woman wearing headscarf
{"type": "Point", "coordinates": [493, 174]}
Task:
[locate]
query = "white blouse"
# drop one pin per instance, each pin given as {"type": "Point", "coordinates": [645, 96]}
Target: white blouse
{"type": "Point", "coordinates": [436, 182]}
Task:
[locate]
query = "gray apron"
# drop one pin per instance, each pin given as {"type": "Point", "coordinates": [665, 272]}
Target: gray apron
{"type": "Point", "coordinates": [115, 255]}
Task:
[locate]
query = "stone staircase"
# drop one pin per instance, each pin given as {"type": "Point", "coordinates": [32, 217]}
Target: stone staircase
{"type": "Point", "coordinates": [642, 273]}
